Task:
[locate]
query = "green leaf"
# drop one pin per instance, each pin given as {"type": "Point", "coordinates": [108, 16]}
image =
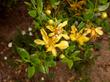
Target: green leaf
{"type": "Point", "coordinates": [103, 1]}
{"type": "Point", "coordinates": [70, 49]}
{"type": "Point", "coordinates": [31, 71]}
{"type": "Point", "coordinates": [37, 25]}
{"type": "Point", "coordinates": [77, 52]}
{"type": "Point", "coordinates": [39, 6]}
{"type": "Point", "coordinates": [76, 59]}
{"type": "Point", "coordinates": [81, 25]}
{"type": "Point", "coordinates": [106, 26]}
{"type": "Point", "coordinates": [32, 13]}
{"type": "Point", "coordinates": [90, 4]}
{"type": "Point", "coordinates": [33, 3]}
{"type": "Point", "coordinates": [54, 3]}
{"type": "Point", "coordinates": [70, 64]}
{"type": "Point", "coordinates": [50, 63]}
{"type": "Point", "coordinates": [27, 3]}
{"type": "Point", "coordinates": [103, 7]}
{"type": "Point", "coordinates": [89, 14]}
{"type": "Point", "coordinates": [87, 54]}
{"type": "Point", "coordinates": [44, 69]}
{"type": "Point", "coordinates": [35, 60]}
{"type": "Point", "coordinates": [23, 54]}
{"type": "Point", "coordinates": [68, 61]}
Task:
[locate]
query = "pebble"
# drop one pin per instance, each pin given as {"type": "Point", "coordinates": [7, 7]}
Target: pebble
{"type": "Point", "coordinates": [76, 22]}
{"type": "Point", "coordinates": [30, 34]}
{"type": "Point", "coordinates": [23, 32]}
{"type": "Point", "coordinates": [42, 78]}
{"type": "Point", "coordinates": [10, 44]}
{"type": "Point", "coordinates": [5, 58]}
{"type": "Point", "coordinates": [29, 29]}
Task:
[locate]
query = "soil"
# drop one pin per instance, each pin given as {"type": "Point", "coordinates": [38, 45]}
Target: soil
{"type": "Point", "coordinates": [12, 71]}
{"type": "Point", "coordinates": [100, 72]}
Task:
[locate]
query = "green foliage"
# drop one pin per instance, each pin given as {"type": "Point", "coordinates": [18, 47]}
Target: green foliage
{"type": "Point", "coordinates": [54, 3]}
{"type": "Point", "coordinates": [103, 1]}
{"type": "Point", "coordinates": [32, 13]}
{"type": "Point", "coordinates": [37, 62]}
{"type": "Point", "coordinates": [89, 14]}
{"type": "Point", "coordinates": [81, 25]}
{"type": "Point", "coordinates": [24, 54]}
{"type": "Point", "coordinates": [105, 24]}
{"type": "Point", "coordinates": [31, 71]}
{"type": "Point", "coordinates": [76, 56]}
{"type": "Point", "coordinates": [103, 7]}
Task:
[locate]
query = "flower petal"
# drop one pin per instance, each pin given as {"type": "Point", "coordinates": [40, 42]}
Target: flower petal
{"type": "Point", "coordinates": [39, 42]}
{"type": "Point", "coordinates": [82, 39]}
{"type": "Point", "coordinates": [57, 38]}
{"type": "Point", "coordinates": [62, 24]}
{"type": "Point", "coordinates": [65, 36]}
{"type": "Point", "coordinates": [54, 52]}
{"type": "Point", "coordinates": [87, 31]}
{"type": "Point", "coordinates": [62, 45]}
{"type": "Point", "coordinates": [74, 29]}
{"type": "Point", "coordinates": [44, 35]}
{"type": "Point", "coordinates": [52, 49]}
{"type": "Point", "coordinates": [73, 37]}
{"type": "Point", "coordinates": [99, 30]}
{"type": "Point", "coordinates": [51, 34]}
{"type": "Point", "coordinates": [50, 27]}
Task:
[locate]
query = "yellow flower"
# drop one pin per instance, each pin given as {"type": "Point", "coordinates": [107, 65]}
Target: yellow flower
{"type": "Point", "coordinates": [51, 43]}
{"type": "Point", "coordinates": [94, 32]}
{"type": "Point", "coordinates": [80, 37]}
{"type": "Point", "coordinates": [57, 30]}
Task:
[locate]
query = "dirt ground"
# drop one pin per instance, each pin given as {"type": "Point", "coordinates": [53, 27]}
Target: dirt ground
{"type": "Point", "coordinates": [100, 72]}
{"type": "Point", "coordinates": [12, 71]}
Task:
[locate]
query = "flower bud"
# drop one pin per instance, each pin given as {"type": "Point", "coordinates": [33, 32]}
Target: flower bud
{"type": "Point", "coordinates": [51, 22]}
{"type": "Point", "coordinates": [104, 15]}
{"type": "Point", "coordinates": [62, 56]}
{"type": "Point", "coordinates": [48, 12]}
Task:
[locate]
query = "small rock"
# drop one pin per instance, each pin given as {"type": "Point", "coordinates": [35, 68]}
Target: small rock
{"type": "Point", "coordinates": [10, 44]}
{"type": "Point", "coordinates": [23, 32]}
{"type": "Point", "coordinates": [5, 58]}
{"type": "Point", "coordinates": [42, 78]}
{"type": "Point", "coordinates": [29, 29]}
{"type": "Point", "coordinates": [30, 34]}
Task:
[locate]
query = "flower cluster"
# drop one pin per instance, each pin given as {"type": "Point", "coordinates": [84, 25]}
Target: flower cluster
{"type": "Point", "coordinates": [52, 40]}
{"type": "Point", "coordinates": [59, 38]}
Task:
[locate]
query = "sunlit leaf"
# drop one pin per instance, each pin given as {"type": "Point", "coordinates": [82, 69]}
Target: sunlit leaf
{"type": "Point", "coordinates": [103, 7]}
{"type": "Point", "coordinates": [35, 60]}
{"type": "Point", "coordinates": [81, 25]}
{"type": "Point", "coordinates": [69, 62]}
{"type": "Point", "coordinates": [39, 6]}
{"type": "Point", "coordinates": [103, 1]}
{"type": "Point", "coordinates": [31, 71]}
{"type": "Point", "coordinates": [23, 54]}
{"type": "Point", "coordinates": [32, 13]}
{"type": "Point", "coordinates": [89, 14]}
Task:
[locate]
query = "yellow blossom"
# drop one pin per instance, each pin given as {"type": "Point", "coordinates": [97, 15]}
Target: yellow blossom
{"type": "Point", "coordinates": [57, 30]}
{"type": "Point", "coordinates": [51, 43]}
{"type": "Point", "coordinates": [80, 37]}
{"type": "Point", "coordinates": [94, 32]}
